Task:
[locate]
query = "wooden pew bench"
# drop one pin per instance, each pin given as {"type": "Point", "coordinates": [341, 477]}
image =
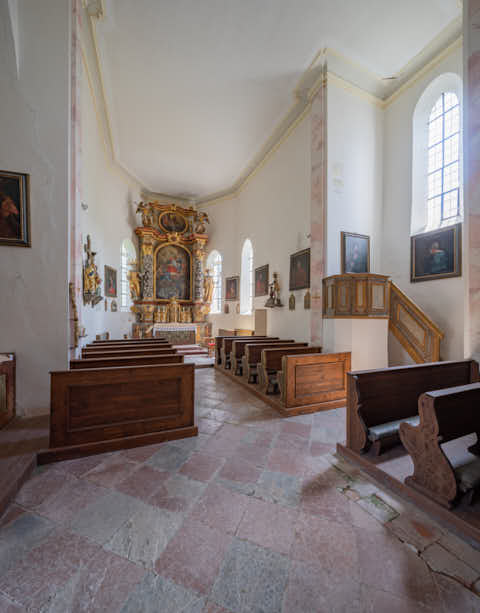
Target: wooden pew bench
{"type": "Point", "coordinates": [135, 360]}
{"type": "Point", "coordinates": [378, 401]}
{"type": "Point", "coordinates": [252, 355]}
{"type": "Point", "coordinates": [270, 363]}
{"type": "Point", "coordinates": [132, 341]}
{"type": "Point", "coordinates": [111, 353]}
{"type": "Point", "coordinates": [219, 345]}
{"type": "Point", "coordinates": [445, 415]}
{"type": "Point", "coordinates": [317, 380]}
{"type": "Point", "coordinates": [106, 409]}
{"type": "Point", "coordinates": [226, 348]}
{"type": "Point", "coordinates": [238, 351]}
{"type": "Point", "coordinates": [108, 345]}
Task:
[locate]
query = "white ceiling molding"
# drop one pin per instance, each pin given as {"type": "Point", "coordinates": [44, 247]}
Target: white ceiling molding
{"type": "Point", "coordinates": [379, 89]}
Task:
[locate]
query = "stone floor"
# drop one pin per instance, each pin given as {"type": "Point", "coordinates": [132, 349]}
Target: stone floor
{"type": "Point", "coordinates": [254, 515]}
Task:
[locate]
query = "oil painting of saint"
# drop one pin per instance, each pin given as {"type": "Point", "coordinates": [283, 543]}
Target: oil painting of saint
{"type": "Point", "coordinates": [355, 253]}
{"type": "Point", "coordinates": [261, 281]}
{"type": "Point", "coordinates": [173, 222]}
{"type": "Point", "coordinates": [14, 209]}
{"type": "Point", "coordinates": [300, 270]}
{"type": "Point", "coordinates": [437, 254]}
{"type": "Point", "coordinates": [172, 273]}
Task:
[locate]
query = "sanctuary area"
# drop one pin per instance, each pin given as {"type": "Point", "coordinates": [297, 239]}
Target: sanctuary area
{"type": "Point", "coordinates": [239, 352]}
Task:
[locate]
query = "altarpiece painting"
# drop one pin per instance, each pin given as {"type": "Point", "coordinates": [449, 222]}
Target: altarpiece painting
{"type": "Point", "coordinates": [173, 273]}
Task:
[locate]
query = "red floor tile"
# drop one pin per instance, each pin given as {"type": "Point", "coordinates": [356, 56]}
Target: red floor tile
{"type": "Point", "coordinates": [201, 466]}
{"type": "Point", "coordinates": [220, 508]}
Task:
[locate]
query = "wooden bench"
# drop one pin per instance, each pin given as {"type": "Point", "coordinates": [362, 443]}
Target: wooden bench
{"type": "Point", "coordinates": [135, 360]}
{"type": "Point", "coordinates": [318, 380]}
{"type": "Point", "coordinates": [225, 343]}
{"type": "Point", "coordinates": [111, 353]}
{"type": "Point", "coordinates": [238, 351]}
{"type": "Point", "coordinates": [131, 340]}
{"type": "Point", "coordinates": [445, 415]}
{"type": "Point", "coordinates": [379, 400]}
{"type": "Point", "coordinates": [270, 363]}
{"type": "Point", "coordinates": [104, 347]}
{"type": "Point", "coordinates": [252, 355]}
{"type": "Point", "coordinates": [99, 410]}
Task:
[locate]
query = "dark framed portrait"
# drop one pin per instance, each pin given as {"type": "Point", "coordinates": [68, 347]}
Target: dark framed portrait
{"type": "Point", "coordinates": [437, 254]}
{"type": "Point", "coordinates": [261, 281]}
{"type": "Point", "coordinates": [110, 282]}
{"type": "Point", "coordinates": [231, 288]}
{"type": "Point", "coordinates": [355, 250]}
{"type": "Point", "coordinates": [14, 209]}
{"type": "Point", "coordinates": [300, 270]}
{"type": "Point", "coordinates": [173, 222]}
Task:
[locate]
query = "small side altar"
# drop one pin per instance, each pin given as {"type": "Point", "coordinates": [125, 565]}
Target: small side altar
{"type": "Point", "coordinates": [169, 286]}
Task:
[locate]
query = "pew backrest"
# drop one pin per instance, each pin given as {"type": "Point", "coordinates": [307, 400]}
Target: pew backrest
{"type": "Point", "coordinates": [136, 360]}
{"type": "Point", "coordinates": [131, 340]}
{"type": "Point", "coordinates": [253, 352]}
{"type": "Point", "coordinates": [271, 357]}
{"type": "Point", "coordinates": [103, 346]}
{"type": "Point", "coordinates": [238, 347]}
{"type": "Point", "coordinates": [111, 353]}
{"type": "Point", "coordinates": [219, 345]}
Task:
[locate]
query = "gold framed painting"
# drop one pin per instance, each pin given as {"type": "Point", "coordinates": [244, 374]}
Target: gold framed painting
{"type": "Point", "coordinates": [299, 270]}
{"type": "Point", "coordinates": [232, 287]}
{"type": "Point", "coordinates": [436, 254]}
{"type": "Point", "coordinates": [355, 250]}
{"type": "Point", "coordinates": [110, 282]}
{"type": "Point", "coordinates": [15, 209]}
{"type": "Point", "coordinates": [261, 281]}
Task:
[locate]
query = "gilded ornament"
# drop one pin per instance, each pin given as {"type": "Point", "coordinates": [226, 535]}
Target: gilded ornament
{"type": "Point", "coordinates": [291, 302]}
{"type": "Point", "coordinates": [91, 278]}
{"type": "Point", "coordinates": [147, 214]}
{"type": "Point", "coordinates": [307, 300]}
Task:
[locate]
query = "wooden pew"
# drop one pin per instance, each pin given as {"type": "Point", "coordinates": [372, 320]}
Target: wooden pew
{"type": "Point", "coordinates": [105, 346]}
{"type": "Point", "coordinates": [271, 362]}
{"type": "Point", "coordinates": [238, 351]}
{"type": "Point", "coordinates": [111, 353]}
{"type": "Point", "coordinates": [220, 355]}
{"type": "Point", "coordinates": [318, 380]}
{"type": "Point", "coordinates": [445, 415]}
{"type": "Point", "coordinates": [99, 410]}
{"type": "Point", "coordinates": [252, 354]}
{"type": "Point", "coordinates": [135, 360]}
{"type": "Point", "coordinates": [379, 400]}
{"type": "Point", "coordinates": [131, 340]}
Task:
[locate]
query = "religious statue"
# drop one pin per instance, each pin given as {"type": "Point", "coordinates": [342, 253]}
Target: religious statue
{"type": "Point", "coordinates": [146, 211]}
{"type": "Point", "coordinates": [173, 310]}
{"type": "Point", "coordinates": [91, 278]}
{"type": "Point", "coordinates": [201, 219]}
{"type": "Point", "coordinates": [274, 293]}
{"type": "Point", "coordinates": [207, 288]}
{"type": "Point", "coordinates": [134, 282]}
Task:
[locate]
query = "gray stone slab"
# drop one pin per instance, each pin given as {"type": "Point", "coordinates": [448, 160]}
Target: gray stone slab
{"type": "Point", "coordinates": [170, 457]}
{"type": "Point", "coordinates": [158, 595]}
{"type": "Point", "coordinates": [19, 536]}
{"type": "Point", "coordinates": [251, 579]}
{"type": "Point", "coordinates": [102, 518]}
{"type": "Point", "coordinates": [145, 535]}
{"type": "Point", "coordinates": [442, 561]}
{"type": "Point", "coordinates": [279, 488]}
{"type": "Point", "coordinates": [191, 443]}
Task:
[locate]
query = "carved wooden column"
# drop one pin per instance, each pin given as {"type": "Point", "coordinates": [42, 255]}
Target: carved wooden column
{"type": "Point", "coordinates": [146, 249]}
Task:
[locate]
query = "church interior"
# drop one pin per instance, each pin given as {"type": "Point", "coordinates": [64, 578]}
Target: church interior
{"type": "Point", "coordinates": [239, 247]}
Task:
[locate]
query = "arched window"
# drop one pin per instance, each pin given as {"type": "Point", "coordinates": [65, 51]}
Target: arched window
{"type": "Point", "coordinates": [214, 265]}
{"type": "Point", "coordinates": [443, 196]}
{"type": "Point", "coordinates": [246, 279]}
{"type": "Point", "coordinates": [128, 257]}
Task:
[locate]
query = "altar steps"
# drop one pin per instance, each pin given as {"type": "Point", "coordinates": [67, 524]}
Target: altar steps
{"type": "Point", "coordinates": [194, 354]}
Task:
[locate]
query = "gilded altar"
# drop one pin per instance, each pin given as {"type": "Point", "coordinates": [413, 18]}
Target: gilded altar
{"type": "Point", "coordinates": [169, 283]}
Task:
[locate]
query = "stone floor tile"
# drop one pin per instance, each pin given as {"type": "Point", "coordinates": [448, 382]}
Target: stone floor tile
{"type": "Point", "coordinates": [233, 432]}
{"type": "Point", "coordinates": [156, 594]}
{"type": "Point", "coordinates": [320, 498]}
{"type": "Point", "coordinates": [191, 443]}
{"type": "Point", "coordinates": [19, 536]}
{"type": "Point", "coordinates": [375, 600]}
{"type": "Point", "coordinates": [309, 590]}
{"type": "Point", "coordinates": [103, 517]}
{"type": "Point", "coordinates": [455, 597]}
{"type": "Point", "coordinates": [319, 449]}
{"type": "Point", "coordinates": [103, 584]}
{"type": "Point", "coordinates": [462, 550]}
{"type": "Point", "coordinates": [279, 488]}
{"type": "Point", "coordinates": [193, 556]}
{"type": "Point", "coordinates": [115, 469]}
{"type": "Point", "coordinates": [255, 453]}
{"type": "Point", "coordinates": [415, 530]}
{"type": "Point", "coordinates": [248, 489]}
{"type": "Point", "coordinates": [12, 513]}
{"type": "Point", "coordinates": [70, 499]}
{"type": "Point", "coordinates": [287, 441]}
{"type": "Point", "coordinates": [7, 606]}
{"type": "Point", "coordinates": [222, 447]}
{"type": "Point", "coordinates": [178, 493]}
{"type": "Point", "coordinates": [326, 544]}
{"type": "Point", "coordinates": [268, 525]}
{"type": "Point", "coordinates": [262, 438]}
{"type": "Point", "coordinates": [237, 469]}
{"type": "Point", "coordinates": [169, 457]}
{"type": "Point", "coordinates": [141, 454]}
{"type": "Point", "coordinates": [442, 561]}
{"type": "Point", "coordinates": [208, 426]}
{"type": "Point", "coordinates": [39, 487]}
{"type": "Point", "coordinates": [286, 461]}
{"type": "Point", "coordinates": [379, 509]}
{"type": "Point", "coordinates": [81, 466]}
{"type": "Point", "coordinates": [201, 466]}
{"type": "Point", "coordinates": [251, 579]}
{"type": "Point", "coordinates": [143, 482]}
{"type": "Point", "coordinates": [145, 535]}
{"type": "Point", "coordinates": [220, 508]}
{"type": "Point", "coordinates": [298, 428]}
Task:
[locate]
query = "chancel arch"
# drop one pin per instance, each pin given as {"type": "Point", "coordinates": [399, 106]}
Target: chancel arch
{"type": "Point", "coordinates": [246, 278]}
{"type": "Point", "coordinates": [437, 165]}
{"type": "Point", "coordinates": [214, 265]}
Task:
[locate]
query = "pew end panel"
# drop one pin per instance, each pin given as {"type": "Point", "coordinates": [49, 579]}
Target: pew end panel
{"type": "Point", "coordinates": [99, 410]}
{"type": "Point", "coordinates": [270, 363]}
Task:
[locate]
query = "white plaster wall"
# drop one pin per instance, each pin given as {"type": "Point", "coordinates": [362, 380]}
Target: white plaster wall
{"type": "Point", "coordinates": [110, 195]}
{"type": "Point", "coordinates": [34, 123]}
{"type": "Point", "coordinates": [367, 339]}
{"type": "Point", "coordinates": [442, 300]}
{"type": "Point", "coordinates": [273, 210]}
{"type": "Point", "coordinates": [354, 178]}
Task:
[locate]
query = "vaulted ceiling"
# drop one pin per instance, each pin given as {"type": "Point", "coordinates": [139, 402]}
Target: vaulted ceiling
{"type": "Point", "coordinates": [194, 88]}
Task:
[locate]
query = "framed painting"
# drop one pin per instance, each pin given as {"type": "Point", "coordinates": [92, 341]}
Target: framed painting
{"type": "Point", "coordinates": [172, 221]}
{"type": "Point", "coordinates": [14, 209]}
{"type": "Point", "coordinates": [300, 270]}
{"type": "Point", "coordinates": [110, 282]}
{"type": "Point", "coordinates": [355, 249]}
{"type": "Point", "coordinates": [437, 254]}
{"type": "Point", "coordinates": [173, 273]}
{"type": "Point", "coordinates": [231, 288]}
{"type": "Point", "coordinates": [261, 281]}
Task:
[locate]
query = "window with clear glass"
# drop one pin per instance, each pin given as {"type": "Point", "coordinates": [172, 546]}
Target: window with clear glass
{"type": "Point", "coordinates": [128, 258]}
{"type": "Point", "coordinates": [443, 200]}
{"type": "Point", "coordinates": [246, 279]}
{"type": "Point", "coordinates": [214, 265]}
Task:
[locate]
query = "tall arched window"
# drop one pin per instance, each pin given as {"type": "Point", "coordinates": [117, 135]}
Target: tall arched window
{"type": "Point", "coordinates": [128, 256]}
{"type": "Point", "coordinates": [214, 265]}
{"type": "Point", "coordinates": [443, 196]}
{"type": "Point", "coordinates": [246, 279]}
